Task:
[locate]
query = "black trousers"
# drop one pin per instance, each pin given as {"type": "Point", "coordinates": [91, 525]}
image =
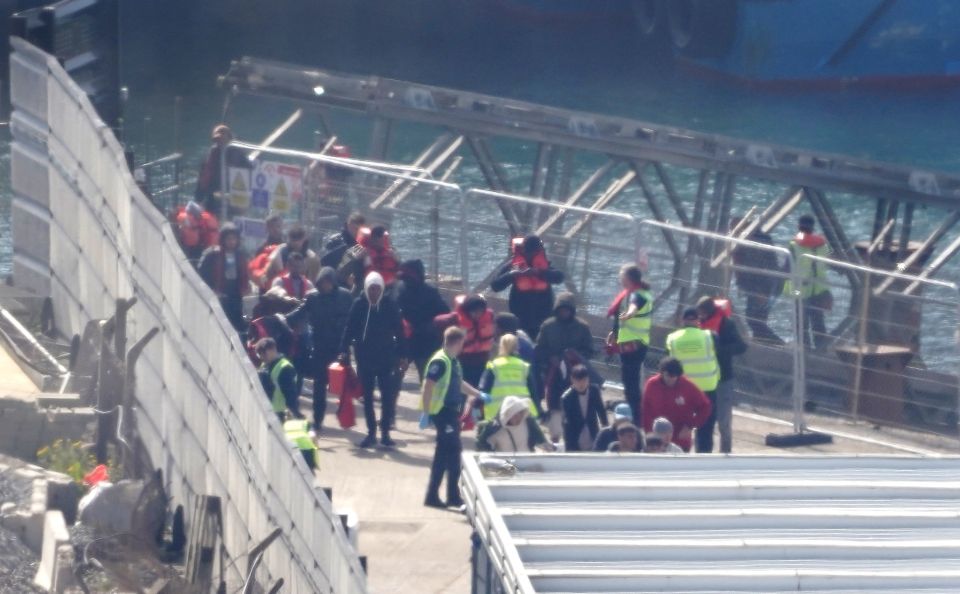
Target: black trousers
{"type": "Point", "coordinates": [472, 373]}
{"type": "Point", "coordinates": [233, 308]}
{"type": "Point", "coordinates": [385, 377]}
{"type": "Point", "coordinates": [704, 438]}
{"type": "Point", "coordinates": [631, 365]}
{"type": "Point", "coordinates": [446, 456]}
{"type": "Point", "coordinates": [321, 361]}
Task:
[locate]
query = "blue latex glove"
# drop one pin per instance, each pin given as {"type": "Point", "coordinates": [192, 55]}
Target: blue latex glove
{"type": "Point", "coordinates": [424, 421]}
{"type": "Point", "coordinates": [486, 398]}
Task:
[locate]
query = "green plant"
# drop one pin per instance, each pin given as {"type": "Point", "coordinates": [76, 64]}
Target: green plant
{"type": "Point", "coordinates": [72, 458]}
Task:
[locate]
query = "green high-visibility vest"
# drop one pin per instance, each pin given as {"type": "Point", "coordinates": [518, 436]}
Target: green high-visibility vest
{"type": "Point", "coordinates": [298, 434]}
{"type": "Point", "coordinates": [637, 327]}
{"type": "Point", "coordinates": [694, 349]}
{"type": "Point", "coordinates": [278, 400]}
{"type": "Point", "coordinates": [813, 273]}
{"type": "Point", "coordinates": [509, 379]}
{"type": "Point", "coordinates": [443, 384]}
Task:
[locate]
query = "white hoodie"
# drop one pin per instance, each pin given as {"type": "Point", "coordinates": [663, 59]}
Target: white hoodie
{"type": "Point", "coordinates": [373, 279]}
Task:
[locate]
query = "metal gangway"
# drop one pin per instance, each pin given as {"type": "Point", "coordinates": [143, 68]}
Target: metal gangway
{"type": "Point", "coordinates": [460, 173]}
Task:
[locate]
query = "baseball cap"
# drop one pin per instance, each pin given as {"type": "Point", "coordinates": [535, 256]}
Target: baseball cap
{"type": "Point", "coordinates": [623, 411]}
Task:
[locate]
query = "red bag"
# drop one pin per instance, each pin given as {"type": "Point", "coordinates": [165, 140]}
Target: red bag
{"type": "Point", "coordinates": [346, 413]}
{"type": "Point", "coordinates": [342, 380]}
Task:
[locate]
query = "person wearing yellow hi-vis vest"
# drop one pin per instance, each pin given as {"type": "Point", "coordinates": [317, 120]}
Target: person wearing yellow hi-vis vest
{"type": "Point", "coordinates": [632, 313]}
{"type": "Point", "coordinates": [815, 292]}
{"type": "Point", "coordinates": [696, 349]}
{"type": "Point", "coordinates": [442, 400]}
{"type": "Point", "coordinates": [506, 375]}
{"type": "Point", "coordinates": [298, 433]}
{"type": "Point", "coordinates": [279, 379]}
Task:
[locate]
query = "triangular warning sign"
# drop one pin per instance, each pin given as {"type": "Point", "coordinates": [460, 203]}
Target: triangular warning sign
{"type": "Point", "coordinates": [281, 189]}
{"type": "Point", "coordinates": [238, 183]}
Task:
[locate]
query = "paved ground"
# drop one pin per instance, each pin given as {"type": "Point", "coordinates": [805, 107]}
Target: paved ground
{"type": "Point", "coordinates": [411, 548]}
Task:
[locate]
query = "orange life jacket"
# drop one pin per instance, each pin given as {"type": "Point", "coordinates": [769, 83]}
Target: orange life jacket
{"type": "Point", "coordinates": [528, 282]}
{"type": "Point", "coordinates": [382, 260]}
{"type": "Point", "coordinates": [197, 231]}
{"type": "Point", "coordinates": [288, 286]}
{"type": "Point", "coordinates": [723, 309]}
{"type": "Point", "coordinates": [259, 265]}
{"type": "Point", "coordinates": [479, 337]}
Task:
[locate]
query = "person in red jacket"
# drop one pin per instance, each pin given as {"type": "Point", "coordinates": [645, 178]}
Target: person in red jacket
{"type": "Point", "coordinates": [294, 281]}
{"type": "Point", "coordinates": [669, 394]}
{"type": "Point", "coordinates": [197, 229]}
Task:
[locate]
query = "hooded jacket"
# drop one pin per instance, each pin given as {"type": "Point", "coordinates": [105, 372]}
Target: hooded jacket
{"type": "Point", "coordinates": [498, 436]}
{"type": "Point", "coordinates": [556, 335]}
{"type": "Point", "coordinates": [420, 303]}
{"type": "Point", "coordinates": [213, 266]}
{"type": "Point", "coordinates": [325, 312]}
{"type": "Point", "coordinates": [374, 329]}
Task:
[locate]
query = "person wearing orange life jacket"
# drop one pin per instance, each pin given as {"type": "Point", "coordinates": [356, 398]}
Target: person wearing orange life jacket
{"type": "Point", "coordinates": [294, 281]}
{"type": "Point", "coordinates": [631, 312]}
{"type": "Point", "coordinates": [476, 319]}
{"type": "Point", "coordinates": [259, 266]}
{"type": "Point", "coordinates": [815, 292]}
{"type": "Point", "coordinates": [529, 276]}
{"type": "Point", "coordinates": [373, 253]}
{"type": "Point", "coordinates": [714, 315]}
{"type": "Point", "coordinates": [197, 229]}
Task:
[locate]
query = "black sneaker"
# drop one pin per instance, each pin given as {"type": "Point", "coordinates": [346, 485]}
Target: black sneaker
{"type": "Point", "coordinates": [434, 502]}
{"type": "Point", "coordinates": [387, 442]}
{"type": "Point", "coordinates": [369, 441]}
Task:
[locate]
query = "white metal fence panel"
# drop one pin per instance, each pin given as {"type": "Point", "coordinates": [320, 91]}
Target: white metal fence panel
{"type": "Point", "coordinates": [201, 412]}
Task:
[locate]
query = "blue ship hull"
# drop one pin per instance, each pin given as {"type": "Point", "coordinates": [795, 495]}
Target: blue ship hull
{"type": "Point", "coordinates": [564, 11]}
{"type": "Point", "coordinates": [819, 43]}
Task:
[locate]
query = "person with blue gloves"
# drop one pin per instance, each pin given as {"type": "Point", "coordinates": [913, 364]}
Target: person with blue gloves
{"type": "Point", "coordinates": [442, 400]}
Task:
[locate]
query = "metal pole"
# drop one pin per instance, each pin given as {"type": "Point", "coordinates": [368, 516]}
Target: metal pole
{"type": "Point", "coordinates": [799, 351]}
{"type": "Point", "coordinates": [862, 321]}
{"type": "Point", "coordinates": [223, 182]}
{"type": "Point", "coordinates": [464, 244]}
{"type": "Point", "coordinates": [435, 238]}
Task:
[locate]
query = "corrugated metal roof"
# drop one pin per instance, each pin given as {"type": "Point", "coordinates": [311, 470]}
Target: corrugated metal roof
{"type": "Point", "coordinates": [717, 524]}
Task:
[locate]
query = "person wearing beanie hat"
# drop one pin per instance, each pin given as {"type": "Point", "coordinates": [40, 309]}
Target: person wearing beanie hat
{"type": "Point", "coordinates": [671, 395]}
{"type": "Point", "coordinates": [696, 349]}
{"type": "Point", "coordinates": [563, 338]}
{"type": "Point", "coordinates": [224, 268]}
{"type": "Point", "coordinates": [530, 277]}
{"type": "Point", "coordinates": [326, 310]}
{"type": "Point", "coordinates": [375, 332]}
{"type": "Point", "coordinates": [420, 302]}
{"type": "Point", "coordinates": [660, 439]}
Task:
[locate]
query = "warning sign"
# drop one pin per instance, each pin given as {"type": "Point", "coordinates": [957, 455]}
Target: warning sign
{"type": "Point", "coordinates": [274, 187]}
{"type": "Point", "coordinates": [239, 187]}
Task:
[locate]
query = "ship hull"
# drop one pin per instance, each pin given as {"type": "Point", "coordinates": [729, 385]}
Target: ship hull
{"type": "Point", "coordinates": [825, 43]}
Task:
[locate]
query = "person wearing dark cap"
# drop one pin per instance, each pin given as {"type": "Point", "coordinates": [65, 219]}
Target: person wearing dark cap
{"type": "Point", "coordinates": [326, 310]}
{"type": "Point", "coordinates": [224, 268]}
{"type": "Point", "coordinates": [279, 380]}
{"type": "Point", "coordinates": [297, 243]}
{"type": "Point", "coordinates": [729, 344]}
{"type": "Point", "coordinates": [420, 302]}
{"type": "Point", "coordinates": [507, 323]}
{"type": "Point", "coordinates": [529, 276]}
{"type": "Point", "coordinates": [564, 341]}
{"type": "Point", "coordinates": [696, 349]}
{"type": "Point", "coordinates": [815, 292]}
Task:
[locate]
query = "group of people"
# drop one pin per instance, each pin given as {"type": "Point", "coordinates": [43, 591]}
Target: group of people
{"type": "Point", "coordinates": [522, 376]}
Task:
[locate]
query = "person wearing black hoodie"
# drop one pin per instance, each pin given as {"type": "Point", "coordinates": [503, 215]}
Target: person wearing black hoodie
{"type": "Point", "coordinates": [326, 310]}
{"type": "Point", "coordinates": [338, 245]}
{"type": "Point", "coordinates": [563, 338]}
{"type": "Point", "coordinates": [420, 302]}
{"type": "Point", "coordinates": [375, 331]}
{"type": "Point", "coordinates": [529, 275]}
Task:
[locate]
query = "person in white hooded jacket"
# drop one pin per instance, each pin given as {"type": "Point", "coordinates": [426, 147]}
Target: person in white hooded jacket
{"type": "Point", "coordinates": [514, 430]}
{"type": "Point", "coordinates": [375, 331]}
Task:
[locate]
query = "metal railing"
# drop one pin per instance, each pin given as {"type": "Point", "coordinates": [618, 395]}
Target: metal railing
{"type": "Point", "coordinates": [200, 410]}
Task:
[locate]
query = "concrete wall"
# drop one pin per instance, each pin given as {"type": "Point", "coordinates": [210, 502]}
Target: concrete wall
{"type": "Point", "coordinates": [86, 235]}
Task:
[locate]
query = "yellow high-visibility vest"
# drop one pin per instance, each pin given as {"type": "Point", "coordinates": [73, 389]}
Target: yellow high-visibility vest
{"type": "Point", "coordinates": [693, 347]}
